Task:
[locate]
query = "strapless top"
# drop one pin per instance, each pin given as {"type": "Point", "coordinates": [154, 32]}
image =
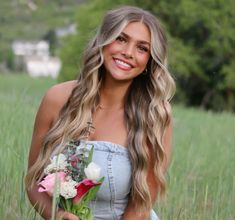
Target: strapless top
{"type": "Point", "coordinates": [112, 198]}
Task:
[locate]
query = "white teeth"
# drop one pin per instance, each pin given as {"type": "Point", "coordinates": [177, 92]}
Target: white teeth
{"type": "Point", "coordinates": [122, 63]}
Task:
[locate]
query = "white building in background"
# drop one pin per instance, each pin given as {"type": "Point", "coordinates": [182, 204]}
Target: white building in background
{"type": "Point", "coordinates": [31, 48]}
{"type": "Point", "coordinates": [34, 57]}
{"type": "Point", "coordinates": [43, 66]}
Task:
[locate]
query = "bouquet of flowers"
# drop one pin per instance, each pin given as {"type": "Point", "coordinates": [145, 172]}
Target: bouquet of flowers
{"type": "Point", "coordinates": [73, 178]}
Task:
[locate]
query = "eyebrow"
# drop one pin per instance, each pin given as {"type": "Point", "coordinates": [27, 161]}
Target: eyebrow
{"type": "Point", "coordinates": [140, 41]}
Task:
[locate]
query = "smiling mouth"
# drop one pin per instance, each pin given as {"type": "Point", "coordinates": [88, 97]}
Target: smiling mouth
{"type": "Point", "coordinates": [122, 65]}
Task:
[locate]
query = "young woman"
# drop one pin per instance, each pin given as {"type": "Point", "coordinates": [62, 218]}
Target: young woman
{"type": "Point", "coordinates": [124, 88]}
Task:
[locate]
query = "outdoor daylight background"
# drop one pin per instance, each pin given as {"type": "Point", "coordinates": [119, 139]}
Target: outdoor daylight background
{"type": "Point", "coordinates": [42, 43]}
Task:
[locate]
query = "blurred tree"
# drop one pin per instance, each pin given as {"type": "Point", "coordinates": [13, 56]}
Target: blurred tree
{"type": "Point", "coordinates": [10, 59]}
{"type": "Point", "coordinates": [51, 38]}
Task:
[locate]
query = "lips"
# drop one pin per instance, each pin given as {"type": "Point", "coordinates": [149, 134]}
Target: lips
{"type": "Point", "coordinates": [123, 64]}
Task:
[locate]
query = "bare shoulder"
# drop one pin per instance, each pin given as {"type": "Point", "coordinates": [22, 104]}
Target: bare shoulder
{"type": "Point", "coordinates": [59, 93]}
{"type": "Point", "coordinates": [56, 97]}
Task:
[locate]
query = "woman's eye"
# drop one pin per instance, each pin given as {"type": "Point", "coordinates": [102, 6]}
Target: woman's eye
{"type": "Point", "coordinates": [121, 39]}
{"type": "Point", "coordinates": [143, 49]}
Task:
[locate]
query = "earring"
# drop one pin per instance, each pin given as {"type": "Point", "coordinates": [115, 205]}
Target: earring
{"type": "Point", "coordinates": [145, 72]}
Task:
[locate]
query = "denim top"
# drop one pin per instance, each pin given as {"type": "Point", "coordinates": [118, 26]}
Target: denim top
{"type": "Point", "coordinates": [112, 198]}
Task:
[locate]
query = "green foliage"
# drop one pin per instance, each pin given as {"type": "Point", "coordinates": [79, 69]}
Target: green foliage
{"type": "Point", "coordinates": [51, 38]}
{"type": "Point", "coordinates": [201, 41]}
{"type": "Point", "coordinates": [9, 59]}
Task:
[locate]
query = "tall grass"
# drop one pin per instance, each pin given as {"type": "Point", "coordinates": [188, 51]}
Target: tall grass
{"type": "Point", "coordinates": [202, 173]}
{"type": "Point", "coordinates": [201, 178]}
{"type": "Point", "coordinates": [19, 98]}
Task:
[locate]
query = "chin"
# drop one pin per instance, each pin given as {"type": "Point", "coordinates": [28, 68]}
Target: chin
{"type": "Point", "coordinates": [121, 76]}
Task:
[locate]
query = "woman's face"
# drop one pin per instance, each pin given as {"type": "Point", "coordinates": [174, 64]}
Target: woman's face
{"type": "Point", "coordinates": [127, 56]}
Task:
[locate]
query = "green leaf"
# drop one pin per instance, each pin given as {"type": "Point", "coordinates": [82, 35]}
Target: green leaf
{"type": "Point", "coordinates": [90, 154]}
{"type": "Point", "coordinates": [92, 192]}
{"type": "Point", "coordinates": [83, 212]}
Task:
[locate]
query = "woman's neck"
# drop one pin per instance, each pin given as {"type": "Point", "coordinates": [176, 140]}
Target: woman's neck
{"type": "Point", "coordinates": [113, 96]}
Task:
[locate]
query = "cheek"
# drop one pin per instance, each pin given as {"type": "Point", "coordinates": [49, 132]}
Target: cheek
{"type": "Point", "coordinates": [143, 60]}
{"type": "Point", "coordinates": [111, 48]}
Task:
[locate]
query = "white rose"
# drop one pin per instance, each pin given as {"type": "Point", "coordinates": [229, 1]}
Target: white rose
{"type": "Point", "coordinates": [92, 171]}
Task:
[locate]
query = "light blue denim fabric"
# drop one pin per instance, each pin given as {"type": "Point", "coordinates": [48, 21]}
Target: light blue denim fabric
{"type": "Point", "coordinates": [112, 198]}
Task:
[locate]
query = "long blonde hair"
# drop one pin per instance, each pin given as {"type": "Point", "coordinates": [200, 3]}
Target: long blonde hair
{"type": "Point", "coordinates": [150, 91]}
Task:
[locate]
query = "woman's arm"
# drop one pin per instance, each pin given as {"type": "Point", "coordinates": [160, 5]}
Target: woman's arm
{"type": "Point", "coordinates": [130, 212]}
{"type": "Point", "coordinates": [46, 116]}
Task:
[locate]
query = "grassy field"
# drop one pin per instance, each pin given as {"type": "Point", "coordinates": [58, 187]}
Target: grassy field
{"type": "Point", "coordinates": [201, 176]}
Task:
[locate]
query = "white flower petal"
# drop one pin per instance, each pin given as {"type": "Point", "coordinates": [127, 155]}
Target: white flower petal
{"type": "Point", "coordinates": [92, 171]}
{"type": "Point", "coordinates": [58, 163]}
{"type": "Point", "coordinates": [68, 190]}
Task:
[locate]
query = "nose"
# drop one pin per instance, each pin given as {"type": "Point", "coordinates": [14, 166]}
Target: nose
{"type": "Point", "coordinates": [128, 51]}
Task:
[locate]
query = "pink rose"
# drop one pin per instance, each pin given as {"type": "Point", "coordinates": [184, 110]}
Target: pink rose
{"type": "Point", "coordinates": [48, 183]}
{"type": "Point", "coordinates": [83, 187]}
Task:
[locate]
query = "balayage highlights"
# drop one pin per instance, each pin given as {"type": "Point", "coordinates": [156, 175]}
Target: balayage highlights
{"type": "Point", "coordinates": [147, 112]}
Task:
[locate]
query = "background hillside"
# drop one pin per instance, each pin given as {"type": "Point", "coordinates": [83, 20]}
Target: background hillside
{"type": "Point", "coordinates": [32, 20]}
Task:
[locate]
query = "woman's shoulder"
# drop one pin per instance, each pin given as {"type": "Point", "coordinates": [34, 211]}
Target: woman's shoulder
{"type": "Point", "coordinates": [60, 93]}
{"type": "Point", "coordinates": [56, 96]}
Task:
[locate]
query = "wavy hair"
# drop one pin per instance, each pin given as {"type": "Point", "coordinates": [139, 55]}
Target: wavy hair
{"type": "Point", "coordinates": [151, 91]}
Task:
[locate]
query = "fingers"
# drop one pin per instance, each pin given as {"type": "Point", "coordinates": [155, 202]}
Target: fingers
{"type": "Point", "coordinates": [69, 216]}
{"type": "Point", "coordinates": [63, 215]}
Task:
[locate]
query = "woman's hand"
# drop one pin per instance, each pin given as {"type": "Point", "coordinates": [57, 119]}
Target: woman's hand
{"type": "Point", "coordinates": [63, 215]}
